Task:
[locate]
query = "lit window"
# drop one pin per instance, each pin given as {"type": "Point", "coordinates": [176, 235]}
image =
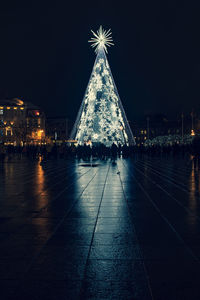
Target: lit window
{"type": "Point", "coordinates": [1, 111]}
{"type": "Point", "coordinates": [8, 107]}
{"type": "Point", "coordinates": [15, 107]}
{"type": "Point", "coordinates": [21, 108]}
{"type": "Point", "coordinates": [1, 107]}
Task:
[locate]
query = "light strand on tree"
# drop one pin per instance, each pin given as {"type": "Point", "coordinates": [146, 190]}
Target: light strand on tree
{"type": "Point", "coordinates": [101, 118]}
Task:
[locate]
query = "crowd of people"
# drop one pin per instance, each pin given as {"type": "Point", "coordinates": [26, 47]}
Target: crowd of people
{"type": "Point", "coordinates": [55, 151]}
{"type": "Point", "coordinates": [64, 151]}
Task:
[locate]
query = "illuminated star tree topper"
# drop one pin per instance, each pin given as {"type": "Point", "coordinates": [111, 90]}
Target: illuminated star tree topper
{"type": "Point", "coordinates": [101, 39]}
{"type": "Point", "coordinates": [101, 117]}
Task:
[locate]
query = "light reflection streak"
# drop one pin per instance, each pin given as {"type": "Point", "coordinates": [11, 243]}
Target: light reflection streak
{"type": "Point", "coordinates": [41, 225]}
{"type": "Point", "coordinates": [42, 195]}
{"type": "Point", "coordinates": [192, 220]}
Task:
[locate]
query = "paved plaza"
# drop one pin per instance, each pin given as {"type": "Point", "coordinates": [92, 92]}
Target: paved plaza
{"type": "Point", "coordinates": [76, 230]}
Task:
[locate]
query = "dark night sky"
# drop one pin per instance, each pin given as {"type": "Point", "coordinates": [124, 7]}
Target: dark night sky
{"type": "Point", "coordinates": [45, 57]}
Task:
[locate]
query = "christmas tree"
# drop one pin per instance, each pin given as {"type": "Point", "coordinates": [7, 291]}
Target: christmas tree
{"type": "Point", "coordinates": [101, 117]}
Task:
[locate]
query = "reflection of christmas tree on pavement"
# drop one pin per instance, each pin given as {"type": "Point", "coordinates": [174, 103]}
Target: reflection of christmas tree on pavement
{"type": "Point", "coordinates": [101, 118]}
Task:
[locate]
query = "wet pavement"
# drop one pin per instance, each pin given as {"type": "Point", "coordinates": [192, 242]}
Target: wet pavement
{"type": "Point", "coordinates": [71, 230]}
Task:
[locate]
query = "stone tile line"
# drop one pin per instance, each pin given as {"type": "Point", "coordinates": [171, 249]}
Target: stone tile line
{"type": "Point", "coordinates": [31, 175]}
{"type": "Point", "coordinates": [65, 215]}
{"type": "Point", "coordinates": [197, 259]}
{"type": "Point", "coordinates": [56, 228]}
{"type": "Point", "coordinates": [177, 184]}
{"type": "Point", "coordinates": [143, 264]}
{"type": "Point", "coordinates": [165, 191]}
{"type": "Point", "coordinates": [124, 230]}
{"type": "Point", "coordinates": [52, 171]}
{"type": "Point", "coordinates": [89, 252]}
{"type": "Point", "coordinates": [111, 253]}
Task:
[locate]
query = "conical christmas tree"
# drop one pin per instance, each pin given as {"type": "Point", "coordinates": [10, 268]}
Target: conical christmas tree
{"type": "Point", "coordinates": [101, 117]}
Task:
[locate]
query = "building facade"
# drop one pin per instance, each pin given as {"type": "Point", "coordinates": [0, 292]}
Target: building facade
{"type": "Point", "coordinates": [21, 122]}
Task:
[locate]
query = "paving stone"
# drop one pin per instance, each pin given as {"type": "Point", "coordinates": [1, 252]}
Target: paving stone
{"type": "Point", "coordinates": [125, 232]}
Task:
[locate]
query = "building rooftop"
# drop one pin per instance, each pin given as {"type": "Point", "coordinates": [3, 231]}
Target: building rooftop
{"type": "Point", "coordinates": [17, 102]}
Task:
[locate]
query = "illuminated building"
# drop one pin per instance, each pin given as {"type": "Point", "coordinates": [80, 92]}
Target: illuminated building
{"type": "Point", "coordinates": [21, 122]}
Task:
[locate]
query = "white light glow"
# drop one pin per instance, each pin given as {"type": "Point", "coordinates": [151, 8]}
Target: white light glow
{"type": "Point", "coordinates": [101, 118]}
{"type": "Point", "coordinates": [101, 39]}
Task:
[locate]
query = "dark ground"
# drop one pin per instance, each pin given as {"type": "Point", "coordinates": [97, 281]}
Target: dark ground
{"type": "Point", "coordinates": [124, 231]}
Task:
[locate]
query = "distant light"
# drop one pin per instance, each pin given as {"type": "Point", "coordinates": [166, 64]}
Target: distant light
{"type": "Point", "coordinates": [15, 107]}
{"type": "Point", "coordinates": [8, 107]}
{"type": "Point", "coordinates": [19, 102]}
{"type": "Point", "coordinates": [21, 108]}
{"type": "Point", "coordinates": [192, 132]}
{"type": "Point", "coordinates": [71, 141]}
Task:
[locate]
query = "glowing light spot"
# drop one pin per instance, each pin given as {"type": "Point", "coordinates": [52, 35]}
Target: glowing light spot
{"type": "Point", "coordinates": [101, 39]}
{"type": "Point", "coordinates": [95, 136]}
